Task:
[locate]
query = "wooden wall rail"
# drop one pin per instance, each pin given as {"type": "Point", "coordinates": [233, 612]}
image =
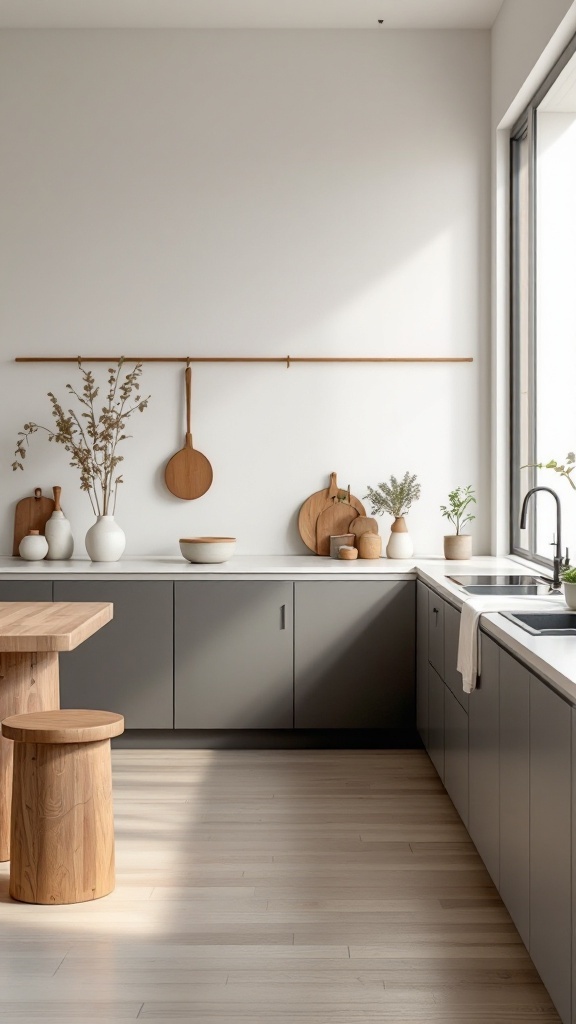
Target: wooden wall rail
{"type": "Point", "coordinates": [287, 360]}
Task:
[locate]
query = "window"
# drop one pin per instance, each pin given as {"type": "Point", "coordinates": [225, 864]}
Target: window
{"type": "Point", "coordinates": [543, 310]}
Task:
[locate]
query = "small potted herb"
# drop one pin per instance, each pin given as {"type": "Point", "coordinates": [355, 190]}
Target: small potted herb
{"type": "Point", "coordinates": [458, 546]}
{"type": "Point", "coordinates": [568, 577]}
{"type": "Point", "coordinates": [396, 498]}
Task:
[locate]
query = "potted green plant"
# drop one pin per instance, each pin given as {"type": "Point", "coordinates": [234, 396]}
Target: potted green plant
{"type": "Point", "coordinates": [91, 437]}
{"type": "Point", "coordinates": [459, 545]}
{"type": "Point", "coordinates": [396, 498]}
{"type": "Point", "coordinates": [568, 577]}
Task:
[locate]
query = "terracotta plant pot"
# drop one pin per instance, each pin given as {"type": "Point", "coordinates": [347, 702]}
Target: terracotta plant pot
{"type": "Point", "coordinates": [458, 547]}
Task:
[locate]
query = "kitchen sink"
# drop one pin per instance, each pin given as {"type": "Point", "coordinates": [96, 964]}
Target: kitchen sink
{"type": "Point", "coordinates": [503, 583]}
{"type": "Point", "coordinates": [544, 623]}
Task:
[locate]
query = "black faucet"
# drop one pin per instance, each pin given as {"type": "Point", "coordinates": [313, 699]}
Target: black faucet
{"type": "Point", "coordinates": [558, 563]}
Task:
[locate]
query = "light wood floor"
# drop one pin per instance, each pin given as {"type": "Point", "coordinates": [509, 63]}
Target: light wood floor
{"type": "Point", "coordinates": [286, 887]}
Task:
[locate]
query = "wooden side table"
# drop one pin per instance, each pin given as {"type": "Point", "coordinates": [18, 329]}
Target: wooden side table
{"type": "Point", "coordinates": [31, 636]}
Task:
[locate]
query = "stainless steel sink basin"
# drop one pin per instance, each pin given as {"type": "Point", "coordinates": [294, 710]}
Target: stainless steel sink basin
{"type": "Point", "coordinates": [544, 623]}
{"type": "Point", "coordinates": [531, 589]}
{"type": "Point", "coordinates": [504, 583]}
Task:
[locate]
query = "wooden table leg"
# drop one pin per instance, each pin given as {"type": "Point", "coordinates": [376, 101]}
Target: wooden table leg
{"type": "Point", "coordinates": [28, 682]}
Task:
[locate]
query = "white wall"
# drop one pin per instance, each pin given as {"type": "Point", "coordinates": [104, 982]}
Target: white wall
{"type": "Point", "coordinates": [251, 193]}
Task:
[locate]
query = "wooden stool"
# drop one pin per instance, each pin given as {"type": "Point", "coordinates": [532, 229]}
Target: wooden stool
{"type": "Point", "coordinates": [62, 828]}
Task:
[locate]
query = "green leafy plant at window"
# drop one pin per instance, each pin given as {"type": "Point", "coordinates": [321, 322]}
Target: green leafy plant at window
{"type": "Point", "coordinates": [565, 469]}
{"type": "Point", "coordinates": [568, 575]}
{"type": "Point", "coordinates": [456, 511]}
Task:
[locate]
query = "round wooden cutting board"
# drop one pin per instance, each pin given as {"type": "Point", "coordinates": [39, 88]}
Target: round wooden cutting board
{"type": "Point", "coordinates": [316, 504]}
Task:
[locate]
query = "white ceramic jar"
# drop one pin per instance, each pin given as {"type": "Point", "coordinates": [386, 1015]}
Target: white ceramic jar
{"type": "Point", "coordinates": [59, 536]}
{"type": "Point", "coordinates": [33, 547]}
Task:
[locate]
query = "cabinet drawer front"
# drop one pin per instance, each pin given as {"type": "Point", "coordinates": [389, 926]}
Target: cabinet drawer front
{"type": "Point", "coordinates": [233, 655]}
{"type": "Point", "coordinates": [484, 760]}
{"type": "Point", "coordinates": [422, 594]}
{"type": "Point", "coordinates": [452, 677]}
{"type": "Point", "coordinates": [354, 655]}
{"type": "Point", "coordinates": [515, 791]}
{"type": "Point", "coordinates": [128, 665]}
{"type": "Point", "coordinates": [436, 633]}
{"type": "Point", "coordinates": [456, 753]}
{"type": "Point", "coordinates": [436, 720]}
{"type": "Point", "coordinates": [26, 590]}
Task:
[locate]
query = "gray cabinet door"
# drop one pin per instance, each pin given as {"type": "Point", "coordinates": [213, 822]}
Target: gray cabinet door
{"type": "Point", "coordinates": [436, 720]}
{"type": "Point", "coordinates": [128, 665]}
{"type": "Point", "coordinates": [550, 842]}
{"type": "Point", "coordinates": [515, 791]}
{"type": "Point", "coordinates": [26, 590]}
{"type": "Point", "coordinates": [436, 633]}
{"type": "Point", "coordinates": [354, 655]}
{"type": "Point", "coordinates": [422, 594]}
{"type": "Point", "coordinates": [484, 760]}
{"type": "Point", "coordinates": [456, 753]}
{"type": "Point", "coordinates": [452, 677]}
{"type": "Point", "coordinates": [233, 655]}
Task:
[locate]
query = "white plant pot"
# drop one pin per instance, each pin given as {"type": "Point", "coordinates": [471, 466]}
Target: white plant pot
{"type": "Point", "coordinates": [105, 540]}
{"type": "Point", "coordinates": [400, 543]}
{"type": "Point", "coordinates": [570, 594]}
{"type": "Point", "coordinates": [458, 547]}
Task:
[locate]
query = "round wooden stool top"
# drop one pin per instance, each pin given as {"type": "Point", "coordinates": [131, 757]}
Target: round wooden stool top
{"type": "Point", "coordinates": [68, 726]}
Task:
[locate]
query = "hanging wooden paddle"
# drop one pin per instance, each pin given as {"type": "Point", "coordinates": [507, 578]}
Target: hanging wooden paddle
{"type": "Point", "coordinates": [188, 474]}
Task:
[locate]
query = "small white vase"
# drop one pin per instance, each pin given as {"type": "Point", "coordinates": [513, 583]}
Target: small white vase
{"type": "Point", "coordinates": [59, 536]}
{"type": "Point", "coordinates": [570, 594]}
{"type": "Point", "coordinates": [400, 543]}
{"type": "Point", "coordinates": [105, 540]}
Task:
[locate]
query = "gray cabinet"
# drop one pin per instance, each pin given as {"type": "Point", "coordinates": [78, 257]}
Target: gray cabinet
{"type": "Point", "coordinates": [550, 842]}
{"type": "Point", "coordinates": [484, 760]}
{"type": "Point", "coordinates": [233, 655]}
{"type": "Point", "coordinates": [354, 655]}
{"type": "Point", "coordinates": [452, 677]}
{"type": "Point", "coordinates": [436, 720]}
{"type": "Point", "coordinates": [127, 666]}
{"type": "Point", "coordinates": [436, 633]}
{"type": "Point", "coordinates": [515, 791]}
{"type": "Point", "coordinates": [422, 594]}
{"type": "Point", "coordinates": [456, 753]}
{"type": "Point", "coordinates": [26, 590]}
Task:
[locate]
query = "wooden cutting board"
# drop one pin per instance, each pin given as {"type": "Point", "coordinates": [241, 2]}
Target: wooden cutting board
{"type": "Point", "coordinates": [363, 524]}
{"type": "Point", "coordinates": [31, 514]}
{"type": "Point", "coordinates": [332, 522]}
{"type": "Point", "coordinates": [317, 503]}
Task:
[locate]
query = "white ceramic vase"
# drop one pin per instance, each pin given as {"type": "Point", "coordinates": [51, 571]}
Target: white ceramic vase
{"type": "Point", "coordinates": [400, 543]}
{"type": "Point", "coordinates": [105, 540]}
{"type": "Point", "coordinates": [58, 533]}
{"type": "Point", "coordinates": [570, 594]}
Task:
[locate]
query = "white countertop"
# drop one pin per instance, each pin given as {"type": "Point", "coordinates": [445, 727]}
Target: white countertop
{"type": "Point", "coordinates": [552, 657]}
{"type": "Point", "coordinates": [302, 566]}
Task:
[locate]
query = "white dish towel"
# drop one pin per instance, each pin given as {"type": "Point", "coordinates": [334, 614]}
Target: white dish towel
{"type": "Point", "coordinates": [468, 640]}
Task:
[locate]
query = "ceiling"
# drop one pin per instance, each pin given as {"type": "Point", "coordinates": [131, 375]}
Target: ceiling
{"type": "Point", "coordinates": [313, 14]}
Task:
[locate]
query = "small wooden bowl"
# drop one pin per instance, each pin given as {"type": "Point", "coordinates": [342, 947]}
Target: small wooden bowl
{"type": "Point", "coordinates": [347, 554]}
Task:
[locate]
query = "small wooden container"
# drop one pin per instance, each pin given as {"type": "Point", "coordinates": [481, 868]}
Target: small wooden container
{"type": "Point", "coordinates": [338, 540]}
{"type": "Point", "coordinates": [347, 553]}
{"type": "Point", "coordinates": [369, 545]}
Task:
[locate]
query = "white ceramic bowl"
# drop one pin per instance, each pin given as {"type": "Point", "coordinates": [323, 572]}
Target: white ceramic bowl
{"type": "Point", "coordinates": [207, 549]}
